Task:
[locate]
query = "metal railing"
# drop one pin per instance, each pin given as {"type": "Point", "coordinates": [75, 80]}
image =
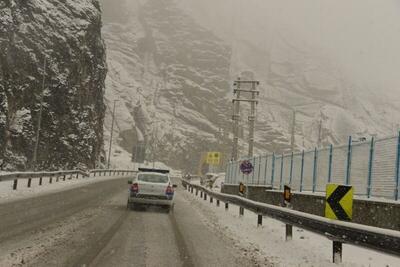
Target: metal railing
{"type": "Point", "coordinates": [58, 175]}
{"type": "Point", "coordinates": [372, 167]}
{"type": "Point", "coordinates": [387, 241]}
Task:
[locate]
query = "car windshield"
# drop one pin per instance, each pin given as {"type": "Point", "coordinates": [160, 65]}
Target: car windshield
{"type": "Point", "coordinates": [153, 178]}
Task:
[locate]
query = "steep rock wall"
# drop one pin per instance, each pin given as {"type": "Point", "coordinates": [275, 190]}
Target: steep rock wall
{"type": "Point", "coordinates": [66, 37]}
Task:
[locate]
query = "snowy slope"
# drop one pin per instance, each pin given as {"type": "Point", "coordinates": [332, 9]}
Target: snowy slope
{"type": "Point", "coordinates": [170, 77]}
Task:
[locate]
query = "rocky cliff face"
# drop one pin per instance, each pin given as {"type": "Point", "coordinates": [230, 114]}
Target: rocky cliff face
{"type": "Point", "coordinates": [171, 78]}
{"type": "Point", "coordinates": [52, 57]}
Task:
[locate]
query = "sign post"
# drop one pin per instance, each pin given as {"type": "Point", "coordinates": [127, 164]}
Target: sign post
{"type": "Point", "coordinates": [287, 198]}
{"type": "Point", "coordinates": [213, 159]}
{"type": "Point", "coordinates": [246, 168]}
{"type": "Point", "coordinates": [338, 206]}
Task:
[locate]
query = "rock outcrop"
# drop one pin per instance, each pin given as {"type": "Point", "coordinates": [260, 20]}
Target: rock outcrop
{"type": "Point", "coordinates": [52, 57]}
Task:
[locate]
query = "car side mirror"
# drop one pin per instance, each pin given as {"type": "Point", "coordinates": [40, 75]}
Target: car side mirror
{"type": "Point", "coordinates": [174, 185]}
{"type": "Point", "coordinates": [129, 181]}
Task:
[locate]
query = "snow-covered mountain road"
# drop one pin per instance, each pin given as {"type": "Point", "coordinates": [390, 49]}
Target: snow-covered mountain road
{"type": "Point", "coordinates": [90, 226]}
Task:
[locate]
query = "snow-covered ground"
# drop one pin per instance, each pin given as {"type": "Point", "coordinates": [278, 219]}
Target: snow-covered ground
{"type": "Point", "coordinates": [8, 194]}
{"type": "Point", "coordinates": [268, 241]}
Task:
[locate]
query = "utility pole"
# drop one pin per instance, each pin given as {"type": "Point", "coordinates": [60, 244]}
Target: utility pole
{"type": "Point", "coordinates": [292, 141]}
{"type": "Point", "coordinates": [235, 118]}
{"type": "Point", "coordinates": [252, 117]}
{"type": "Point", "coordinates": [40, 116]}
{"type": "Point", "coordinates": [111, 136]}
{"type": "Point", "coordinates": [253, 102]}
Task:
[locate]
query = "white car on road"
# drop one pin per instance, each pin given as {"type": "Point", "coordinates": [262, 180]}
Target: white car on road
{"type": "Point", "coordinates": [151, 187]}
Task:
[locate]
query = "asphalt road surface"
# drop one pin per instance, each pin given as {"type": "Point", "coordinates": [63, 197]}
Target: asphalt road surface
{"type": "Point", "coordinates": [91, 226]}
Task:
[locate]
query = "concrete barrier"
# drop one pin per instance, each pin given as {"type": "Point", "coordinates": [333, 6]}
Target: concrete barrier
{"type": "Point", "coordinates": [383, 214]}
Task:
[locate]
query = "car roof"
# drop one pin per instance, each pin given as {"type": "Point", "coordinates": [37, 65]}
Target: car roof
{"type": "Point", "coordinates": [156, 173]}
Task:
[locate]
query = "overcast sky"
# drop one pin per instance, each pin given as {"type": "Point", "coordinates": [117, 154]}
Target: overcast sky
{"type": "Point", "coordinates": [360, 36]}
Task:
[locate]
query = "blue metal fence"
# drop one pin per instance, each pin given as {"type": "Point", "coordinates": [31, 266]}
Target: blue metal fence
{"type": "Point", "coordinates": [372, 167]}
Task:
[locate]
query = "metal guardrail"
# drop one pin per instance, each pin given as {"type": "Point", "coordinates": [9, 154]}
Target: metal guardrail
{"type": "Point", "coordinates": [15, 176]}
{"type": "Point", "coordinates": [387, 241]}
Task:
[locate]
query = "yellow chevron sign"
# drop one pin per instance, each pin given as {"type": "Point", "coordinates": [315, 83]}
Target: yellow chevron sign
{"type": "Point", "coordinates": [339, 202]}
{"type": "Point", "coordinates": [213, 158]}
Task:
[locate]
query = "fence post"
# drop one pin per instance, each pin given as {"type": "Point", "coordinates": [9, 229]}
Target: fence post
{"type": "Point", "coordinates": [273, 170]}
{"type": "Point", "coordinates": [281, 179]}
{"type": "Point", "coordinates": [259, 170]}
{"type": "Point", "coordinates": [396, 195]}
{"type": "Point", "coordinates": [348, 172]}
{"type": "Point", "coordinates": [227, 172]}
{"type": "Point", "coordinates": [291, 169]}
{"type": "Point", "coordinates": [302, 171]}
{"type": "Point", "coordinates": [370, 164]}
{"type": "Point", "coordinates": [265, 169]}
{"type": "Point", "coordinates": [252, 174]}
{"type": "Point", "coordinates": [330, 164]}
{"type": "Point", "coordinates": [314, 184]}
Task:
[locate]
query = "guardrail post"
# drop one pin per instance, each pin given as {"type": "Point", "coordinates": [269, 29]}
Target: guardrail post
{"type": "Point", "coordinates": [281, 178]}
{"type": "Point", "coordinates": [205, 196]}
{"type": "Point", "coordinates": [337, 248]}
{"type": "Point", "coordinates": [211, 199]}
{"type": "Point", "coordinates": [217, 202]}
{"type": "Point", "coordinates": [197, 192]}
{"type": "Point", "coordinates": [330, 164]}
{"type": "Point", "coordinates": [370, 166]}
{"type": "Point", "coordinates": [273, 169]}
{"type": "Point", "coordinates": [57, 178]}
{"type": "Point", "coordinates": [289, 232]}
{"type": "Point", "coordinates": [348, 172]}
{"type": "Point", "coordinates": [314, 185]}
{"type": "Point", "coordinates": [241, 211]}
{"type": "Point", "coordinates": [15, 184]}
{"type": "Point", "coordinates": [397, 189]}
{"type": "Point", "coordinates": [29, 182]}
{"type": "Point", "coordinates": [94, 174]}
{"type": "Point", "coordinates": [259, 220]}
{"type": "Point", "coordinates": [302, 171]}
{"type": "Point", "coordinates": [110, 173]}
{"type": "Point", "coordinates": [201, 194]}
{"type": "Point", "coordinates": [50, 179]}
{"type": "Point", "coordinates": [77, 175]}
{"type": "Point", "coordinates": [64, 177]}
{"type": "Point", "coordinates": [191, 190]}
{"type": "Point", "coordinates": [226, 205]}
{"type": "Point", "coordinates": [40, 180]}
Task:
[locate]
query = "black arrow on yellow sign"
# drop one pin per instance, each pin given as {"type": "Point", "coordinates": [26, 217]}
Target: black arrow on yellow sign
{"type": "Point", "coordinates": [334, 202]}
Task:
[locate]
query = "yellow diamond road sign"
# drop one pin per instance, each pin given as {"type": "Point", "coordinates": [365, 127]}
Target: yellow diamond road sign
{"type": "Point", "coordinates": [339, 202]}
{"type": "Point", "coordinates": [213, 158]}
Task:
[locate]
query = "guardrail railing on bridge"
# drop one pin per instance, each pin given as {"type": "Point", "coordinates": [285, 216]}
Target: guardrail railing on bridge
{"type": "Point", "coordinates": [339, 232]}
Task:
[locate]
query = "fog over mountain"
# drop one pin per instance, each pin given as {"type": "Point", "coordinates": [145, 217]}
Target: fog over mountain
{"type": "Point", "coordinates": [175, 60]}
{"type": "Point", "coordinates": [361, 37]}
